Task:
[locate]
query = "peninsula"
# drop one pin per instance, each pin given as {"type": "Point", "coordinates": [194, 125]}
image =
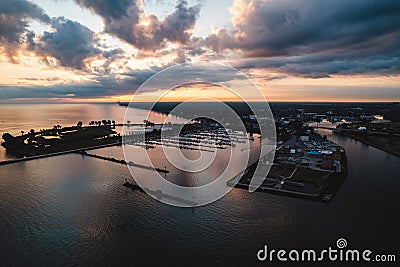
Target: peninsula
{"type": "Point", "coordinates": [60, 139]}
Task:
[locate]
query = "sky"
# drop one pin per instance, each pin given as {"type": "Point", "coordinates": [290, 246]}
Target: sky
{"type": "Point", "coordinates": [293, 50]}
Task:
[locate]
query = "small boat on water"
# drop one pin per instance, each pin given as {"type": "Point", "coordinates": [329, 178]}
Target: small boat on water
{"type": "Point", "coordinates": [327, 198]}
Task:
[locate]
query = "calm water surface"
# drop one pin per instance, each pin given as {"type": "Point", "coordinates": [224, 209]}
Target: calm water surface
{"type": "Point", "coordinates": [15, 118]}
{"type": "Point", "coordinates": [73, 210]}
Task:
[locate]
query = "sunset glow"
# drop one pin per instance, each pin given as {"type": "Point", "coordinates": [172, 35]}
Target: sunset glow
{"type": "Point", "coordinates": [82, 51]}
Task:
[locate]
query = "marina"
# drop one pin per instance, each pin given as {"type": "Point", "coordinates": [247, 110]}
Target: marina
{"type": "Point", "coordinates": [46, 201]}
{"type": "Point", "coordinates": [199, 133]}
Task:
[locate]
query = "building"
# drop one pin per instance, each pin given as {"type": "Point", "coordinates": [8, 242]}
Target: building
{"type": "Point", "coordinates": [314, 154]}
{"type": "Point", "coordinates": [304, 138]}
{"type": "Point", "coordinates": [327, 164]}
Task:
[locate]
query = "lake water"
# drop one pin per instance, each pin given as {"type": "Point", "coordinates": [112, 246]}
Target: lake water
{"type": "Point", "coordinates": [15, 118]}
{"type": "Point", "coordinates": [73, 210]}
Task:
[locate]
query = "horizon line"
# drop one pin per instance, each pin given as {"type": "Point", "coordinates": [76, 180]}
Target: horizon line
{"type": "Point", "coordinates": [228, 101]}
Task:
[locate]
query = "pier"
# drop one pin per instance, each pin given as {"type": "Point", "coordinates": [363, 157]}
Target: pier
{"type": "Point", "coordinates": [47, 155]}
{"type": "Point", "coordinates": [121, 161]}
{"type": "Point", "coordinates": [158, 194]}
{"type": "Point", "coordinates": [133, 186]}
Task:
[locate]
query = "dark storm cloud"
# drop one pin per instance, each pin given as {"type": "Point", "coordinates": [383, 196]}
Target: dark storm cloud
{"type": "Point", "coordinates": [70, 43]}
{"type": "Point", "coordinates": [325, 65]}
{"type": "Point", "coordinates": [284, 27]}
{"type": "Point", "coordinates": [14, 18]}
{"type": "Point", "coordinates": [122, 19]}
{"type": "Point", "coordinates": [23, 8]}
{"type": "Point", "coordinates": [175, 26]}
{"type": "Point", "coordinates": [316, 38]}
{"type": "Point", "coordinates": [108, 8]}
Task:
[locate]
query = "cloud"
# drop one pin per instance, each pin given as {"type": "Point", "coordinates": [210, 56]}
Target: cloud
{"type": "Point", "coordinates": [307, 38]}
{"type": "Point", "coordinates": [314, 38]}
{"type": "Point", "coordinates": [126, 20]}
{"type": "Point", "coordinates": [14, 18]}
{"type": "Point", "coordinates": [69, 42]}
{"type": "Point", "coordinates": [326, 65]}
{"type": "Point", "coordinates": [74, 45]}
{"type": "Point", "coordinates": [108, 85]}
{"type": "Point", "coordinates": [284, 27]}
{"type": "Point", "coordinates": [175, 26]}
{"type": "Point", "coordinates": [109, 8]}
{"type": "Point", "coordinates": [100, 86]}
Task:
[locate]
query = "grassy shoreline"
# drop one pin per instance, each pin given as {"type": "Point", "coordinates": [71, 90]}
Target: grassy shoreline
{"type": "Point", "coordinates": [374, 142]}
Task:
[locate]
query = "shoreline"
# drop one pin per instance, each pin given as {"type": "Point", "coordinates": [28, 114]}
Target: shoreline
{"type": "Point", "coordinates": [329, 183]}
{"type": "Point", "coordinates": [380, 146]}
{"type": "Point", "coordinates": [325, 196]}
{"type": "Point", "coordinates": [57, 153]}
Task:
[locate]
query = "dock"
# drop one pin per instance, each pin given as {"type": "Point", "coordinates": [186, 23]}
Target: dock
{"type": "Point", "coordinates": [121, 161]}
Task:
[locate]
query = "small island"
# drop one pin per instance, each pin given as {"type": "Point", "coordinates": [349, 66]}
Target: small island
{"type": "Point", "coordinates": [61, 139]}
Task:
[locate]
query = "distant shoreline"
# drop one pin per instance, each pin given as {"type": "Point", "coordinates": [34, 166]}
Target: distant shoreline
{"type": "Point", "coordinates": [379, 145]}
{"type": "Point", "coordinates": [374, 143]}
